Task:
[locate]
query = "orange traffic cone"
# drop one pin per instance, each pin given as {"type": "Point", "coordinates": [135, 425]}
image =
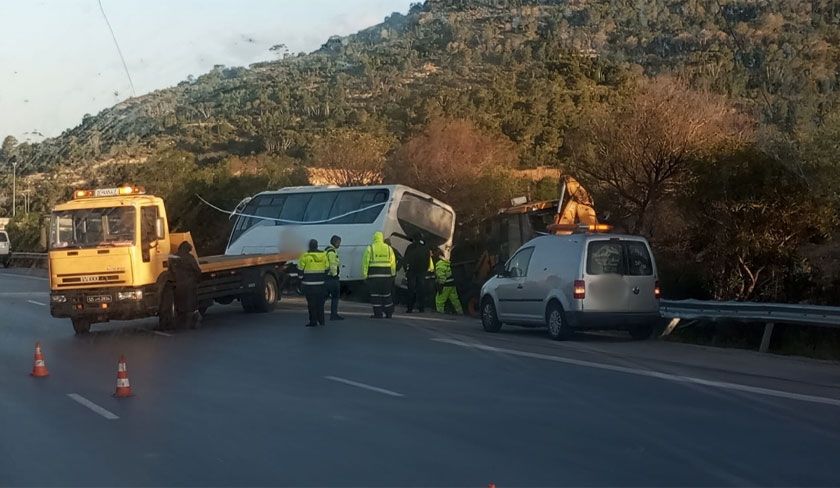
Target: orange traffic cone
{"type": "Point", "coordinates": [40, 368]}
{"type": "Point", "coordinates": [123, 387]}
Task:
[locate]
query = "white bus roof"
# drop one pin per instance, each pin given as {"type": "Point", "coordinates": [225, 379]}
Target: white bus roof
{"type": "Point", "coordinates": [317, 188]}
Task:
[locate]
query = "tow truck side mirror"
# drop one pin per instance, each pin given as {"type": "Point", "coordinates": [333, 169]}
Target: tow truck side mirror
{"type": "Point", "coordinates": [160, 231]}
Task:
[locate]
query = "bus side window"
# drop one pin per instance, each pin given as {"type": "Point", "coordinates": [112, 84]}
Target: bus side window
{"type": "Point", "coordinates": [346, 202]}
{"type": "Point", "coordinates": [372, 199]}
{"type": "Point", "coordinates": [147, 231]}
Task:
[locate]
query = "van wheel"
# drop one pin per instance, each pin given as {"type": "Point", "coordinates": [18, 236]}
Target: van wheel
{"type": "Point", "coordinates": [555, 320]}
{"type": "Point", "coordinates": [641, 332]}
{"type": "Point", "coordinates": [489, 317]}
{"type": "Point", "coordinates": [166, 308]}
{"type": "Point", "coordinates": [80, 326]}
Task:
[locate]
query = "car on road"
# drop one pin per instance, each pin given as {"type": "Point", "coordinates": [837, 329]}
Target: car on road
{"type": "Point", "coordinates": [585, 280]}
{"type": "Point", "coordinates": [5, 249]}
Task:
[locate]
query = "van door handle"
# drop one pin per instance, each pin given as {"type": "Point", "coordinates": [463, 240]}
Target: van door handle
{"type": "Point", "coordinates": [519, 286]}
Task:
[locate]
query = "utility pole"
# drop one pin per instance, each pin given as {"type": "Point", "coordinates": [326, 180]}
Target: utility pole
{"type": "Point", "coordinates": [14, 185]}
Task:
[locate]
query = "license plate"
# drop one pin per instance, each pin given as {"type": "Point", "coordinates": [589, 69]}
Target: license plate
{"type": "Point", "coordinates": [99, 299]}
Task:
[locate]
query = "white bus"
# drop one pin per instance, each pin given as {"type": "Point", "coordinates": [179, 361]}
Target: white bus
{"type": "Point", "coordinates": [285, 220]}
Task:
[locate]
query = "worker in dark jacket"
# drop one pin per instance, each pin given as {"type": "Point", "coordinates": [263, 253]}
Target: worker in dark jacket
{"type": "Point", "coordinates": [418, 263]}
{"type": "Point", "coordinates": [333, 282]}
{"type": "Point", "coordinates": [379, 265]}
{"type": "Point", "coordinates": [314, 264]}
{"type": "Point", "coordinates": [187, 274]}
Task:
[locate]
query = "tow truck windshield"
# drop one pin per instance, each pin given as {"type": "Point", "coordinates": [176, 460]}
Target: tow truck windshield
{"type": "Point", "coordinates": [94, 227]}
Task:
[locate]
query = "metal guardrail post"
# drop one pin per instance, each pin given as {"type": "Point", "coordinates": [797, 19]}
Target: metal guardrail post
{"type": "Point", "coordinates": [765, 339]}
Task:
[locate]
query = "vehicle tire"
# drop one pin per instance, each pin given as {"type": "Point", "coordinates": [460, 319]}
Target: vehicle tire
{"type": "Point", "coordinates": [166, 308]}
{"type": "Point", "coordinates": [80, 326]}
{"type": "Point", "coordinates": [489, 317]}
{"type": "Point", "coordinates": [7, 262]}
{"type": "Point", "coordinates": [248, 303]}
{"type": "Point", "coordinates": [641, 332]}
{"type": "Point", "coordinates": [555, 320]}
{"type": "Point", "coordinates": [264, 302]}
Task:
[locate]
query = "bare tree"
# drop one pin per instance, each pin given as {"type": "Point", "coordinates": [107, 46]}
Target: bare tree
{"type": "Point", "coordinates": [350, 158]}
{"type": "Point", "coordinates": [456, 162]}
{"type": "Point", "coordinates": [636, 153]}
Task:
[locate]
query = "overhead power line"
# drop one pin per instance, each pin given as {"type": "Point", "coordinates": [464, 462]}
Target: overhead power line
{"type": "Point", "coordinates": [119, 51]}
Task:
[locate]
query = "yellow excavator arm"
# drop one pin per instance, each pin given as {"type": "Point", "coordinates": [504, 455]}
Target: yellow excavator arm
{"type": "Point", "coordinates": [579, 209]}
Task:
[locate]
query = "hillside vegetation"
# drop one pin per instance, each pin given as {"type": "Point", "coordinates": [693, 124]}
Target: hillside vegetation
{"type": "Point", "coordinates": [712, 127]}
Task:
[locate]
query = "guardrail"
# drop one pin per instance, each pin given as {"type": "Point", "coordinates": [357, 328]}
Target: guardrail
{"type": "Point", "coordinates": [768, 313]}
{"type": "Point", "coordinates": [29, 259]}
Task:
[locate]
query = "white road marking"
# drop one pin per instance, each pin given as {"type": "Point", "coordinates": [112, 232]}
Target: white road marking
{"type": "Point", "coordinates": [89, 404]}
{"type": "Point", "coordinates": [33, 302]}
{"type": "Point", "coordinates": [362, 385]}
{"type": "Point", "coordinates": [651, 374]}
{"type": "Point", "coordinates": [164, 334]}
{"type": "Point", "coordinates": [39, 278]}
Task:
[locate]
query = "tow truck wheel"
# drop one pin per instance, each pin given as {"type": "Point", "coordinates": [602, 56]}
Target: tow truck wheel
{"type": "Point", "coordinates": [81, 326]}
{"type": "Point", "coordinates": [166, 309]}
{"type": "Point", "coordinates": [264, 302]}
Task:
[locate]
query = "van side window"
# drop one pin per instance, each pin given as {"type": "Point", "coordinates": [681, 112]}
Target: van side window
{"type": "Point", "coordinates": [638, 259]}
{"type": "Point", "coordinates": [605, 257]}
{"type": "Point", "coordinates": [3, 237]}
{"type": "Point", "coordinates": [517, 267]}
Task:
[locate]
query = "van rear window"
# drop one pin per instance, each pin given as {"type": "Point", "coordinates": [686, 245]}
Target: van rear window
{"type": "Point", "coordinates": [619, 257]}
{"type": "Point", "coordinates": [3, 237]}
{"type": "Point", "coordinates": [605, 257]}
{"type": "Point", "coordinates": [638, 259]}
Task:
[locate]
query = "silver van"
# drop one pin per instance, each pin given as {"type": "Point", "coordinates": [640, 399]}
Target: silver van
{"type": "Point", "coordinates": [577, 281]}
{"type": "Point", "coordinates": [5, 248]}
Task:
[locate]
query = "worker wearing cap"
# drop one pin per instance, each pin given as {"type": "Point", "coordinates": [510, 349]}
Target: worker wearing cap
{"type": "Point", "coordinates": [333, 282]}
{"type": "Point", "coordinates": [314, 265]}
{"type": "Point", "coordinates": [379, 266]}
{"type": "Point", "coordinates": [446, 285]}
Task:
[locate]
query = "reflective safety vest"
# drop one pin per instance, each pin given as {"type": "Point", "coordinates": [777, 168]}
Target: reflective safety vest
{"type": "Point", "coordinates": [379, 261]}
{"type": "Point", "coordinates": [334, 261]}
{"type": "Point", "coordinates": [443, 273]}
{"type": "Point", "coordinates": [314, 266]}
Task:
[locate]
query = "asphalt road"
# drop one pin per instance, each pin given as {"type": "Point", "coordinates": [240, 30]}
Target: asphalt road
{"type": "Point", "coordinates": [415, 401]}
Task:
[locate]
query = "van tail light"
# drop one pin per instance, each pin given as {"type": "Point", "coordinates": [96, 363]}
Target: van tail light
{"type": "Point", "coordinates": [657, 292]}
{"type": "Point", "coordinates": [580, 289]}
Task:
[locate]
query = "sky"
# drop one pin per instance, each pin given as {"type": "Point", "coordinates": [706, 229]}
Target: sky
{"type": "Point", "coordinates": [58, 60]}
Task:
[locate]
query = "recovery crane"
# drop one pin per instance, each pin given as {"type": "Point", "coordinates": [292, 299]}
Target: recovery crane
{"type": "Point", "coordinates": [503, 233]}
{"type": "Point", "coordinates": [109, 251]}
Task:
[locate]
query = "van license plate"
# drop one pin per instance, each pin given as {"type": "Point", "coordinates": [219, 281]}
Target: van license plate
{"type": "Point", "coordinates": [99, 299]}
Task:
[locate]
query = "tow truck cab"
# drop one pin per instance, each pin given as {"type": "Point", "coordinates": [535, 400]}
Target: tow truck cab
{"type": "Point", "coordinates": [108, 249]}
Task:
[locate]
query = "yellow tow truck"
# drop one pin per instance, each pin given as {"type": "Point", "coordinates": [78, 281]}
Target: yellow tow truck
{"type": "Point", "coordinates": [109, 251]}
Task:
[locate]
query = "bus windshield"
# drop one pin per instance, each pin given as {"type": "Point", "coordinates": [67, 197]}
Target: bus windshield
{"type": "Point", "coordinates": [417, 214]}
{"type": "Point", "coordinates": [93, 227]}
{"type": "Point", "coordinates": [361, 206]}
